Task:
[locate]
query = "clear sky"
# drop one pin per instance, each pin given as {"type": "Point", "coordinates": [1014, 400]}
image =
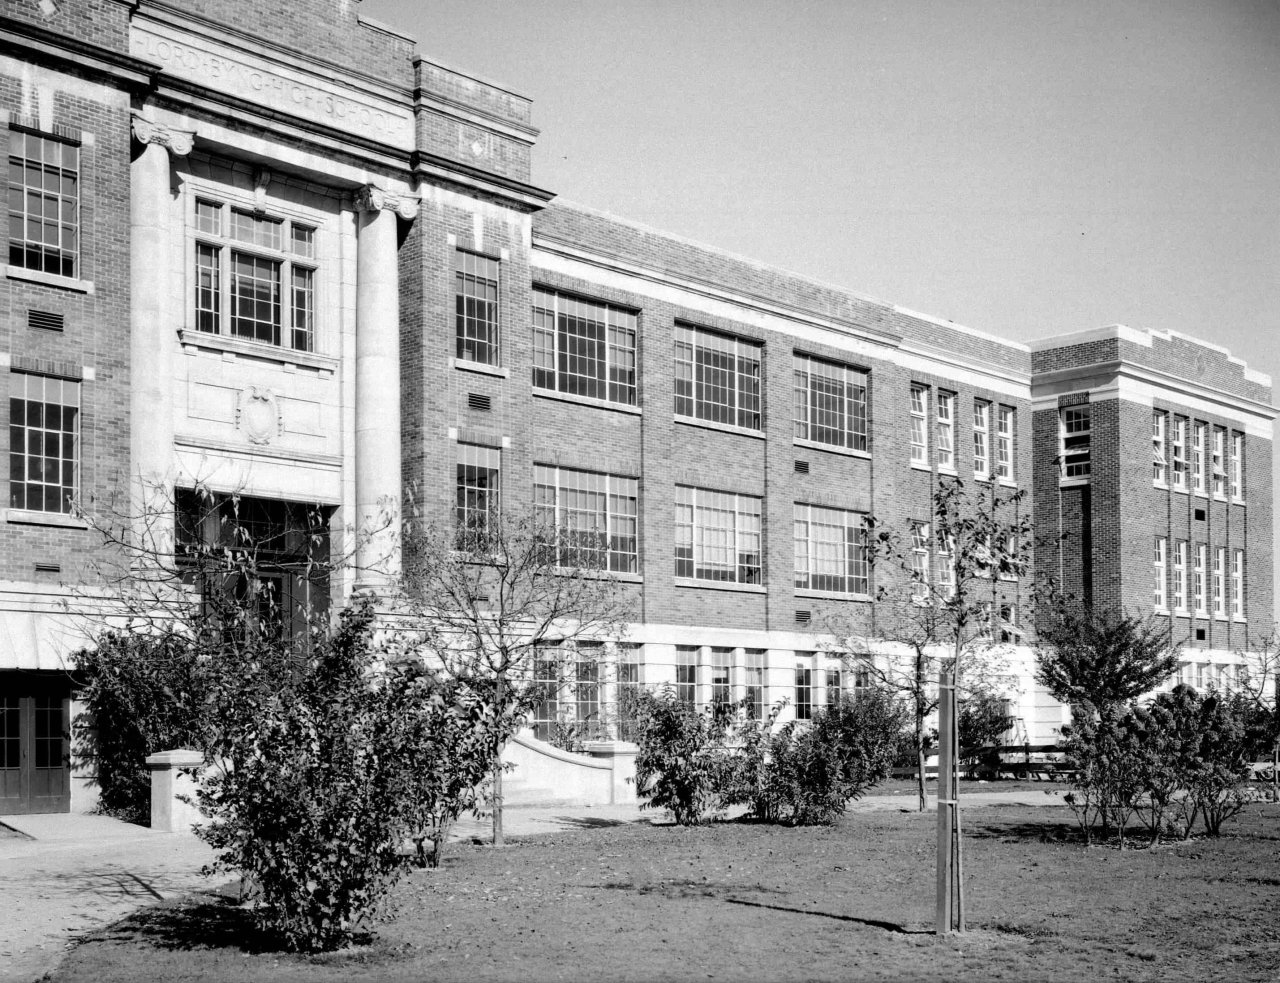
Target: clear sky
{"type": "Point", "coordinates": [1023, 167]}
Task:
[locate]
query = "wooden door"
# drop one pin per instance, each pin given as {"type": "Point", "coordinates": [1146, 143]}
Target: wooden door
{"type": "Point", "coordinates": [35, 753]}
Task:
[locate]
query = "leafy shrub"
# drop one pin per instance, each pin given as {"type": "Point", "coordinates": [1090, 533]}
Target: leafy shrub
{"type": "Point", "coordinates": [684, 762]}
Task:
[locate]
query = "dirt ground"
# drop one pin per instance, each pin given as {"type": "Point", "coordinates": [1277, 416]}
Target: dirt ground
{"type": "Point", "coordinates": [741, 901]}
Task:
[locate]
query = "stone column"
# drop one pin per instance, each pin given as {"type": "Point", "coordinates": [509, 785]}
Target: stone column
{"type": "Point", "coordinates": [377, 457]}
{"type": "Point", "coordinates": [151, 335]}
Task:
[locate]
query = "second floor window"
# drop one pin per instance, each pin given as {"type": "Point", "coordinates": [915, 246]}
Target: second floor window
{"type": "Point", "coordinates": [1237, 466]}
{"type": "Point", "coordinates": [919, 426]}
{"type": "Point", "coordinates": [717, 378]}
{"type": "Point", "coordinates": [830, 403]}
{"type": "Point", "coordinates": [583, 347]}
{"type": "Point", "coordinates": [1004, 443]}
{"type": "Point", "coordinates": [255, 276]}
{"type": "Point", "coordinates": [831, 550]}
{"type": "Point", "coordinates": [476, 299]}
{"type": "Point", "coordinates": [1160, 463]}
{"type": "Point", "coordinates": [1197, 457]}
{"type": "Point", "coordinates": [478, 493]}
{"type": "Point", "coordinates": [1179, 447]}
{"type": "Point", "coordinates": [981, 439]}
{"type": "Point", "coordinates": [1218, 463]}
{"type": "Point", "coordinates": [1160, 573]}
{"type": "Point", "coordinates": [717, 536]}
{"type": "Point", "coordinates": [44, 203]}
{"type": "Point", "coordinates": [44, 443]}
{"type": "Point", "coordinates": [1180, 576]}
{"type": "Point", "coordinates": [946, 431]}
{"type": "Point", "coordinates": [593, 516]}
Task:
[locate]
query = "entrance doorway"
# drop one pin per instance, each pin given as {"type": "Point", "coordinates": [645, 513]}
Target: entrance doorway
{"type": "Point", "coordinates": [35, 745]}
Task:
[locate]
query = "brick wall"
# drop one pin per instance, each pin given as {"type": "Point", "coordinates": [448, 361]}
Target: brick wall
{"type": "Point", "coordinates": [101, 22]}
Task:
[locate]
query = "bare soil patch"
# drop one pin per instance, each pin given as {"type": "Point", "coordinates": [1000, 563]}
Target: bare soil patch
{"type": "Point", "coordinates": [745, 901]}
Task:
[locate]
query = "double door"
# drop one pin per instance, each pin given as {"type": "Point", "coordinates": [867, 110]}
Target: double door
{"type": "Point", "coordinates": [35, 749]}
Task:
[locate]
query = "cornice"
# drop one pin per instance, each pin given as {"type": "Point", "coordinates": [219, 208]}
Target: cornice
{"type": "Point", "coordinates": [476, 117]}
{"type": "Point", "coordinates": [19, 37]}
{"type": "Point", "coordinates": [435, 169]}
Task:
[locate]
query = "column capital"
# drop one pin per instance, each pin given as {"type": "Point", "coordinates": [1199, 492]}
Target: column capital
{"type": "Point", "coordinates": [177, 142]}
{"type": "Point", "coordinates": [371, 198]}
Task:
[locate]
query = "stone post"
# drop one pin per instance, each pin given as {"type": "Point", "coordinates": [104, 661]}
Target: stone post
{"type": "Point", "coordinates": [170, 785]}
{"type": "Point", "coordinates": [621, 756]}
{"type": "Point", "coordinates": [377, 452]}
{"type": "Point", "coordinates": [151, 335]}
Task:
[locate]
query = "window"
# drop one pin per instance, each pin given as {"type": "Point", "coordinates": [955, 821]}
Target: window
{"type": "Point", "coordinates": [1004, 443]}
{"type": "Point", "coordinates": [1160, 463]}
{"type": "Point", "coordinates": [831, 550]}
{"type": "Point", "coordinates": [1220, 582]}
{"type": "Point", "coordinates": [255, 276]}
{"type": "Point", "coordinates": [804, 692]}
{"type": "Point", "coordinates": [476, 296]}
{"type": "Point", "coordinates": [1197, 457]}
{"type": "Point", "coordinates": [1010, 632]}
{"type": "Point", "coordinates": [593, 515]}
{"type": "Point", "coordinates": [44, 443]}
{"type": "Point", "coordinates": [1237, 584]}
{"type": "Point", "coordinates": [920, 536]}
{"type": "Point", "coordinates": [629, 687]}
{"type": "Point", "coordinates": [717, 378]}
{"type": "Point", "coordinates": [721, 659]}
{"type": "Point", "coordinates": [687, 673]}
{"type": "Point", "coordinates": [833, 688]}
{"type": "Point", "coordinates": [1160, 572]}
{"type": "Point", "coordinates": [981, 439]}
{"type": "Point", "coordinates": [717, 536]}
{"type": "Point", "coordinates": [919, 426]}
{"type": "Point", "coordinates": [863, 679]}
{"type": "Point", "coordinates": [479, 493]}
{"type": "Point", "coordinates": [1180, 576]}
{"type": "Point", "coordinates": [756, 695]}
{"type": "Point", "coordinates": [1218, 463]}
{"type": "Point", "coordinates": [1180, 453]}
{"type": "Point", "coordinates": [546, 690]}
{"type": "Point", "coordinates": [1076, 431]}
{"type": "Point", "coordinates": [586, 685]}
{"type": "Point", "coordinates": [44, 203]}
{"type": "Point", "coordinates": [830, 403]}
{"type": "Point", "coordinates": [583, 347]}
{"type": "Point", "coordinates": [946, 431]}
{"type": "Point", "coordinates": [1237, 466]}
{"type": "Point", "coordinates": [945, 571]}
{"type": "Point", "coordinates": [1198, 580]}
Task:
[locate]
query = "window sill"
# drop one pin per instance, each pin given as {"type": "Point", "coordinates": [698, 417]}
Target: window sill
{"type": "Point", "coordinates": [1204, 495]}
{"type": "Point", "coordinates": [1238, 501]}
{"type": "Point", "coordinates": [723, 427]}
{"type": "Point", "coordinates": [1162, 611]}
{"type": "Point", "coordinates": [817, 445]}
{"type": "Point", "coordinates": [29, 517]}
{"type": "Point", "coordinates": [917, 466]}
{"type": "Point", "coordinates": [1219, 498]}
{"type": "Point", "coordinates": [1181, 613]}
{"type": "Point", "coordinates": [982, 477]}
{"type": "Point", "coordinates": [1008, 483]}
{"type": "Point", "coordinates": [468, 366]}
{"type": "Point", "coordinates": [1221, 617]}
{"type": "Point", "coordinates": [949, 472]}
{"type": "Point", "coordinates": [720, 585]}
{"type": "Point", "coordinates": [586, 574]}
{"type": "Point", "coordinates": [49, 279]}
{"type": "Point", "coordinates": [603, 404]}
{"type": "Point", "coordinates": [1236, 619]}
{"type": "Point", "coordinates": [192, 340]}
{"type": "Point", "coordinates": [1073, 482]}
{"type": "Point", "coordinates": [1180, 491]}
{"type": "Point", "coordinates": [1161, 485]}
{"type": "Point", "coordinates": [831, 594]}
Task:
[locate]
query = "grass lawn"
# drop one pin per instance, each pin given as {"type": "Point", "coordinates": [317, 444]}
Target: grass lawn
{"type": "Point", "coordinates": [741, 901]}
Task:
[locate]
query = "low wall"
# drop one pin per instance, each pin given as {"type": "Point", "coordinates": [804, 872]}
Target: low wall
{"type": "Point", "coordinates": [546, 775]}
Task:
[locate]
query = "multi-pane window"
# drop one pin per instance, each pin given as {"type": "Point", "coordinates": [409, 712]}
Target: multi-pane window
{"type": "Point", "coordinates": [981, 439]}
{"type": "Point", "coordinates": [945, 569]}
{"type": "Point", "coordinates": [1237, 584]}
{"type": "Point", "coordinates": [1004, 443]}
{"type": "Point", "coordinates": [1010, 631]}
{"type": "Point", "coordinates": [830, 403]}
{"type": "Point", "coordinates": [1237, 466]}
{"type": "Point", "coordinates": [717, 377]}
{"type": "Point", "coordinates": [804, 691]}
{"type": "Point", "coordinates": [583, 347]}
{"type": "Point", "coordinates": [919, 426]}
{"type": "Point", "coordinates": [44, 442]}
{"type": "Point", "coordinates": [919, 560]}
{"type": "Point", "coordinates": [593, 517]}
{"type": "Point", "coordinates": [946, 406]}
{"type": "Point", "coordinates": [831, 550]}
{"type": "Point", "coordinates": [717, 536]}
{"type": "Point", "coordinates": [1160, 463]}
{"type": "Point", "coordinates": [1197, 457]}
{"type": "Point", "coordinates": [479, 488]}
{"type": "Point", "coordinates": [1220, 582]}
{"type": "Point", "coordinates": [255, 276]}
{"type": "Point", "coordinates": [1076, 437]}
{"type": "Point", "coordinates": [1198, 579]}
{"type": "Point", "coordinates": [629, 689]}
{"type": "Point", "coordinates": [586, 684]}
{"type": "Point", "coordinates": [475, 280]}
{"type": "Point", "coordinates": [834, 690]}
{"type": "Point", "coordinates": [1218, 463]}
{"type": "Point", "coordinates": [863, 675]}
{"type": "Point", "coordinates": [755, 694]}
{"type": "Point", "coordinates": [718, 670]}
{"type": "Point", "coordinates": [1180, 453]}
{"type": "Point", "coordinates": [1160, 572]}
{"type": "Point", "coordinates": [44, 203]}
{"type": "Point", "coordinates": [546, 683]}
{"type": "Point", "coordinates": [1180, 576]}
{"type": "Point", "coordinates": [687, 673]}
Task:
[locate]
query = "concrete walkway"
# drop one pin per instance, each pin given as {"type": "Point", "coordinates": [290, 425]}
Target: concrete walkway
{"type": "Point", "coordinates": [64, 876]}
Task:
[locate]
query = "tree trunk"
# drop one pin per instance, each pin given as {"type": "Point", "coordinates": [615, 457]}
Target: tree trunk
{"type": "Point", "coordinates": [499, 696]}
{"type": "Point", "coordinates": [919, 708]}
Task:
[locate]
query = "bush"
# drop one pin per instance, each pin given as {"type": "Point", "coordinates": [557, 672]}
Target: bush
{"type": "Point", "coordinates": [683, 763]}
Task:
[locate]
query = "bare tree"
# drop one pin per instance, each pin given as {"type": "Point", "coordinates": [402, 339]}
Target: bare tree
{"type": "Point", "coordinates": [946, 596]}
{"type": "Point", "coordinates": [499, 592]}
{"type": "Point", "coordinates": [1259, 684]}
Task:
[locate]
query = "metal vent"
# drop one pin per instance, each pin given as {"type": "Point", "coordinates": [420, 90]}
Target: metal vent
{"type": "Point", "coordinates": [802, 467]}
{"type": "Point", "coordinates": [48, 568]}
{"type": "Point", "coordinates": [803, 617]}
{"type": "Point", "coordinates": [1200, 515]}
{"type": "Point", "coordinates": [478, 401]}
{"type": "Point", "coordinates": [45, 320]}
